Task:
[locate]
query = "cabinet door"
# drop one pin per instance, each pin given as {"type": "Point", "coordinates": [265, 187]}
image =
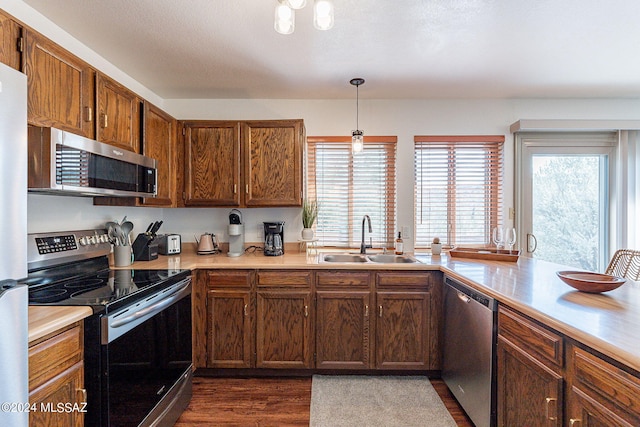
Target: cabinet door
{"type": "Point", "coordinates": [159, 142]}
{"type": "Point", "coordinates": [118, 115]}
{"type": "Point", "coordinates": [273, 162]}
{"type": "Point", "coordinates": [65, 389]}
{"type": "Point", "coordinates": [60, 87]}
{"type": "Point", "coordinates": [402, 330]}
{"type": "Point", "coordinates": [342, 329]}
{"type": "Point", "coordinates": [529, 393]}
{"type": "Point", "coordinates": [585, 411]}
{"type": "Point", "coordinates": [10, 32]}
{"type": "Point", "coordinates": [212, 164]}
{"type": "Point", "coordinates": [283, 332]}
{"type": "Point", "coordinates": [229, 329]}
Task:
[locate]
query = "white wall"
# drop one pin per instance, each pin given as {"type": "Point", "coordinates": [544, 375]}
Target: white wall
{"type": "Point", "coordinates": [403, 118]}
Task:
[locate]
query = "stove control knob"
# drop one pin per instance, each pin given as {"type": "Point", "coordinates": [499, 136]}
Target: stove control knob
{"type": "Point", "coordinates": [82, 241]}
{"type": "Point", "coordinates": [91, 240]}
{"type": "Point", "coordinates": [103, 238]}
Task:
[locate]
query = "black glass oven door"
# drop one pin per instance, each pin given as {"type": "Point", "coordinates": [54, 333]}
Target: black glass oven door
{"type": "Point", "coordinates": [144, 363]}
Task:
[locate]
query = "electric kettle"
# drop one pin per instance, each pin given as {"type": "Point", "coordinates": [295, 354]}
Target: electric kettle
{"type": "Point", "coordinates": [208, 244]}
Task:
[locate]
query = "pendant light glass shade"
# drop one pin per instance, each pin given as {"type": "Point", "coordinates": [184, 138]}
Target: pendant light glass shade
{"type": "Point", "coordinates": [296, 4]}
{"type": "Point", "coordinates": [323, 14]}
{"type": "Point", "coordinates": [357, 136]}
{"type": "Point", "coordinates": [285, 18]}
{"type": "Point", "coordinates": [357, 141]}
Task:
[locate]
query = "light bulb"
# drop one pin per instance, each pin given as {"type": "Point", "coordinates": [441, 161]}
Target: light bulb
{"type": "Point", "coordinates": [357, 141]}
{"type": "Point", "coordinates": [296, 4]}
{"type": "Point", "coordinates": [323, 14]}
{"type": "Point", "coordinates": [285, 18]}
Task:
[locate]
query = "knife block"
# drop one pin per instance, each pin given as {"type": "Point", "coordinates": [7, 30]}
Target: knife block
{"type": "Point", "coordinates": [145, 248]}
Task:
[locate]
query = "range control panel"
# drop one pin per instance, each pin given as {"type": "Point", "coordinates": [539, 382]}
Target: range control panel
{"type": "Point", "coordinates": [44, 249]}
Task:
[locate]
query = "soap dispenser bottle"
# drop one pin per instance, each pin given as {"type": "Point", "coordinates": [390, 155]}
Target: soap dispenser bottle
{"type": "Point", "coordinates": [399, 244]}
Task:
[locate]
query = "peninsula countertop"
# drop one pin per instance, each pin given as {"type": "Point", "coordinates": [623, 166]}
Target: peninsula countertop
{"type": "Point", "coordinates": [606, 322]}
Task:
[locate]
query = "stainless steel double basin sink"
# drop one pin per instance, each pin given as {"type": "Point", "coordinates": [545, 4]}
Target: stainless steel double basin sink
{"type": "Point", "coordinates": [373, 258]}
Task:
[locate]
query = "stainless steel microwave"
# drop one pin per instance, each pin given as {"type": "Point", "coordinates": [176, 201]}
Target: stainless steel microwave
{"type": "Point", "coordinates": [64, 163]}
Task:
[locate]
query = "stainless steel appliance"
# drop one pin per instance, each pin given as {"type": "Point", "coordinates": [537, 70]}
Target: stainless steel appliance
{"type": "Point", "coordinates": [138, 357]}
{"type": "Point", "coordinates": [274, 238]}
{"type": "Point", "coordinates": [14, 375]}
{"type": "Point", "coordinates": [61, 162]}
{"type": "Point", "coordinates": [169, 244]}
{"type": "Point", "coordinates": [469, 363]}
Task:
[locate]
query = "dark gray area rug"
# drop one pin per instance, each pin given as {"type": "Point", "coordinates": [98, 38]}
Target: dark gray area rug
{"type": "Point", "coordinates": [376, 401]}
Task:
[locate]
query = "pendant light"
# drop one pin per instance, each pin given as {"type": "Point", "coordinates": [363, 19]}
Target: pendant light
{"type": "Point", "coordinates": [285, 20]}
{"type": "Point", "coordinates": [323, 14]}
{"type": "Point", "coordinates": [357, 137]}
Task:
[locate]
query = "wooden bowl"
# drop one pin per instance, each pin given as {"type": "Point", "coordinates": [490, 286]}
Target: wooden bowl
{"type": "Point", "coordinates": [590, 282]}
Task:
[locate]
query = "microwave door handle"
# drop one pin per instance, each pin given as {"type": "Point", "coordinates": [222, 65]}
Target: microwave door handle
{"type": "Point", "coordinates": [152, 309]}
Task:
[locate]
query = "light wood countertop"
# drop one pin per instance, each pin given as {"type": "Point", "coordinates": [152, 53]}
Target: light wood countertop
{"type": "Point", "coordinates": [606, 322]}
{"type": "Point", "coordinates": [46, 319]}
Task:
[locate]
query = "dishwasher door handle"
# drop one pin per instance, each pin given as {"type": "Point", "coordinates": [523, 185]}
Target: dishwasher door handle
{"type": "Point", "coordinates": [464, 298]}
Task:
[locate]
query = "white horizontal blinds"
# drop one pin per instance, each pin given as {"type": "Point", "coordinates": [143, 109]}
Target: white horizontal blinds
{"type": "Point", "coordinates": [458, 188]}
{"type": "Point", "coordinates": [349, 186]}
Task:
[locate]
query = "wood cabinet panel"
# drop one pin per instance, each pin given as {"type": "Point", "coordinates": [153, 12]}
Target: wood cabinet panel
{"type": "Point", "coordinates": [65, 389]}
{"type": "Point", "coordinates": [342, 279]}
{"type": "Point", "coordinates": [229, 278]}
{"type": "Point", "coordinates": [537, 340]}
{"type": "Point", "coordinates": [56, 376]}
{"type": "Point", "coordinates": [285, 278]}
{"type": "Point", "coordinates": [212, 163]}
{"type": "Point", "coordinates": [273, 162]}
{"type": "Point", "coordinates": [402, 330]}
{"type": "Point", "coordinates": [284, 329]}
{"type": "Point", "coordinates": [229, 329]}
{"type": "Point", "coordinates": [159, 142]}
{"type": "Point", "coordinates": [118, 114]}
{"type": "Point", "coordinates": [343, 330]}
{"type": "Point", "coordinates": [601, 392]}
{"type": "Point", "coordinates": [61, 87]}
{"type": "Point", "coordinates": [10, 32]}
{"type": "Point", "coordinates": [529, 393]}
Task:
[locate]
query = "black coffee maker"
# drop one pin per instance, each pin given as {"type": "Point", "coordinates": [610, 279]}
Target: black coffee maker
{"type": "Point", "coordinates": [274, 238]}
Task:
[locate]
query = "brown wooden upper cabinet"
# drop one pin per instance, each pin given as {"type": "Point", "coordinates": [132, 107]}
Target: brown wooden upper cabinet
{"type": "Point", "coordinates": [118, 114]}
{"type": "Point", "coordinates": [10, 32]}
{"type": "Point", "coordinates": [159, 142]}
{"type": "Point", "coordinates": [61, 87]}
{"type": "Point", "coordinates": [246, 164]}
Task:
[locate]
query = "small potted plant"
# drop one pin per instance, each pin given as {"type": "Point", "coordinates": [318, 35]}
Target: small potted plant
{"type": "Point", "coordinates": [436, 246]}
{"type": "Point", "coordinates": [309, 216]}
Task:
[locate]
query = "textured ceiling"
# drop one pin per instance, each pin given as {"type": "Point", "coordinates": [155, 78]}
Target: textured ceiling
{"type": "Point", "coordinates": [403, 48]}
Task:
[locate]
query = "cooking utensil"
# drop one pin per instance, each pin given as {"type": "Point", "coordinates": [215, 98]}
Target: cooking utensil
{"type": "Point", "coordinates": [127, 227]}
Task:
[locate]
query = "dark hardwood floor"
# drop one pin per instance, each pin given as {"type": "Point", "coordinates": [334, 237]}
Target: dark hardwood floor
{"type": "Point", "coordinates": [268, 402]}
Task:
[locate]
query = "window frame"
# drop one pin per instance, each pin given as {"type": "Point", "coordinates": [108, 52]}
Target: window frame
{"type": "Point", "coordinates": [494, 198]}
{"type": "Point", "coordinates": [387, 236]}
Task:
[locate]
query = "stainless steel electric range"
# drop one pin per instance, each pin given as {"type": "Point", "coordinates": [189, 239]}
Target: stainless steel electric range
{"type": "Point", "coordinates": [138, 354]}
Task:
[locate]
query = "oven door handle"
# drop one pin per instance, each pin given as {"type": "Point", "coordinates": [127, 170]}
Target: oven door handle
{"type": "Point", "coordinates": [152, 309]}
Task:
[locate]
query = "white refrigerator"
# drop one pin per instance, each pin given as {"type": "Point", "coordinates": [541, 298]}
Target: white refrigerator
{"type": "Point", "coordinates": [14, 374]}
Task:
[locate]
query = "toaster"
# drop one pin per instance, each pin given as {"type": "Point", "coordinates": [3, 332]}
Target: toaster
{"type": "Point", "coordinates": [169, 244]}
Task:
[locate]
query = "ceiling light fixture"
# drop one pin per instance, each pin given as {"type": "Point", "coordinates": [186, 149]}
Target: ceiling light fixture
{"type": "Point", "coordinates": [357, 136]}
{"type": "Point", "coordinates": [285, 15]}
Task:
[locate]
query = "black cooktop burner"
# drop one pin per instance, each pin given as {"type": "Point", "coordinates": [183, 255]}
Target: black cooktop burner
{"type": "Point", "coordinates": [92, 283]}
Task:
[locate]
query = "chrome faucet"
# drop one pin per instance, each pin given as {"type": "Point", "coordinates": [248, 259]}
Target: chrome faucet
{"type": "Point", "coordinates": [363, 247]}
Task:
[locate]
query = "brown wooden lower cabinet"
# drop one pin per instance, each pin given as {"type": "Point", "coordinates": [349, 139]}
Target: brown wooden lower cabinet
{"type": "Point", "coordinates": [56, 377]}
{"type": "Point", "coordinates": [283, 329]}
{"type": "Point", "coordinates": [599, 393]}
{"type": "Point", "coordinates": [229, 327]}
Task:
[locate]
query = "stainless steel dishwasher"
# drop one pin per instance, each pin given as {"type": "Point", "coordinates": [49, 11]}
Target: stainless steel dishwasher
{"type": "Point", "coordinates": [469, 347]}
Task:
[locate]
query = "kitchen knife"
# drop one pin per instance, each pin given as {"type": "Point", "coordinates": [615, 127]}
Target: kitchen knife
{"type": "Point", "coordinates": [150, 227]}
{"type": "Point", "coordinates": [156, 227]}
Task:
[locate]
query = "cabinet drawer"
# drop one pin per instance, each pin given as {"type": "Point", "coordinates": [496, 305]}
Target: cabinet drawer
{"type": "Point", "coordinates": [285, 278]}
{"type": "Point", "coordinates": [54, 355]}
{"type": "Point", "coordinates": [342, 279]}
{"type": "Point", "coordinates": [229, 278]}
{"type": "Point", "coordinates": [405, 279]}
{"type": "Point", "coordinates": [535, 339]}
{"type": "Point", "coordinates": [612, 387]}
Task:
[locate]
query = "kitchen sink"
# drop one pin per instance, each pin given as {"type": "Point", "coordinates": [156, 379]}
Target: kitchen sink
{"type": "Point", "coordinates": [377, 258]}
{"type": "Point", "coordinates": [392, 259]}
{"type": "Point", "coordinates": [344, 258]}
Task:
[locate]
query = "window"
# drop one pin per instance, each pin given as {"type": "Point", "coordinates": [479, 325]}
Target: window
{"type": "Point", "coordinates": [349, 186]}
{"type": "Point", "coordinates": [458, 188]}
{"type": "Point", "coordinates": [564, 196]}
